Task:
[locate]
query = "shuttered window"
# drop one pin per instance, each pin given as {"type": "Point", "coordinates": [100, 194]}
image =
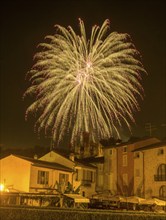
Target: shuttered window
{"type": "Point", "coordinates": [43, 177]}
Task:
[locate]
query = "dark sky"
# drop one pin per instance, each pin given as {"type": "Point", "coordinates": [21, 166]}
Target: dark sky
{"type": "Point", "coordinates": [24, 24]}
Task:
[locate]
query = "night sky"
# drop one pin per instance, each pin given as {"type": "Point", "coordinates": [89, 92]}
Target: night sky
{"type": "Point", "coordinates": [24, 26]}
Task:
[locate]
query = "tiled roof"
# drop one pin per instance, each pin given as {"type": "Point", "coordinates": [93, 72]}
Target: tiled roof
{"type": "Point", "coordinates": [46, 164]}
{"type": "Point", "coordinates": [92, 160]}
{"type": "Point", "coordinates": [151, 146]}
{"type": "Point", "coordinates": [132, 140]}
{"type": "Point", "coordinates": [79, 162]}
{"type": "Point", "coordinates": [83, 163]}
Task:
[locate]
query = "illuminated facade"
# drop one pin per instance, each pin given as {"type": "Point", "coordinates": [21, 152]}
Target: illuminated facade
{"type": "Point", "coordinates": [137, 167]}
{"type": "Point", "coordinates": [30, 175]}
{"type": "Point", "coordinates": [118, 169]}
{"type": "Point", "coordinates": [150, 171]}
{"type": "Point", "coordinates": [49, 173]}
{"type": "Point", "coordinates": [110, 170]}
{"type": "Point", "coordinates": [84, 175]}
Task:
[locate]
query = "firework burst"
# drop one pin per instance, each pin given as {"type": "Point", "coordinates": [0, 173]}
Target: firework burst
{"type": "Point", "coordinates": [85, 85]}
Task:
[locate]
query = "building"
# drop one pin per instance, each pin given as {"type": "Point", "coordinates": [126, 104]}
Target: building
{"type": "Point", "coordinates": [84, 175]}
{"type": "Point", "coordinates": [118, 169]}
{"type": "Point", "coordinates": [98, 162]}
{"type": "Point", "coordinates": [88, 149]}
{"type": "Point", "coordinates": [150, 171]}
{"type": "Point", "coordinates": [136, 167]}
{"type": "Point", "coordinates": [110, 170]}
{"type": "Point", "coordinates": [30, 175]}
{"type": "Point", "coordinates": [51, 172]}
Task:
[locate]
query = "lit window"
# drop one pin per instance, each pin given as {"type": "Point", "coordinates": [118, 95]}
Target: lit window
{"type": "Point", "coordinates": [43, 177]}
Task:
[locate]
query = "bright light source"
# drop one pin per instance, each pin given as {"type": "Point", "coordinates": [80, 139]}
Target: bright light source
{"type": "Point", "coordinates": [88, 64]}
{"type": "Point", "coordinates": [2, 187]}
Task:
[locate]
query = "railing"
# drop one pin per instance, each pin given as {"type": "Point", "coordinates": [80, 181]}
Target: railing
{"type": "Point", "coordinates": [86, 182]}
{"type": "Point", "coordinates": [160, 177]}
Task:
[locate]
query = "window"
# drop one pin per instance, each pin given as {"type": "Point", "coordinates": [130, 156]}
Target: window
{"type": "Point", "coordinates": [136, 155]}
{"type": "Point", "coordinates": [85, 175]}
{"type": "Point", "coordinates": [43, 177]}
{"type": "Point", "coordinates": [125, 149]}
{"type": "Point", "coordinates": [100, 167]}
{"type": "Point", "coordinates": [162, 192]}
{"type": "Point", "coordinates": [63, 178]}
{"type": "Point", "coordinates": [160, 151]}
{"type": "Point", "coordinates": [78, 175]}
{"type": "Point", "coordinates": [88, 176]}
{"type": "Point", "coordinates": [125, 179]}
{"type": "Point", "coordinates": [111, 152]}
{"type": "Point", "coordinates": [109, 165]}
{"type": "Point", "coordinates": [161, 173]}
{"type": "Point", "coordinates": [137, 173]}
{"type": "Point", "coordinates": [124, 160]}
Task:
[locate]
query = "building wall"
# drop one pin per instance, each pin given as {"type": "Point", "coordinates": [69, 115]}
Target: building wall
{"type": "Point", "coordinates": [125, 170]}
{"type": "Point", "coordinates": [110, 170]}
{"type": "Point", "coordinates": [145, 183]}
{"type": "Point", "coordinates": [85, 190]}
{"type": "Point", "coordinates": [85, 180]}
{"type": "Point", "coordinates": [152, 161]}
{"type": "Point", "coordinates": [53, 179]}
{"type": "Point", "coordinates": [57, 158]}
{"type": "Point", "coordinates": [99, 177]}
{"type": "Point", "coordinates": [139, 174]}
{"type": "Point", "coordinates": [15, 172]}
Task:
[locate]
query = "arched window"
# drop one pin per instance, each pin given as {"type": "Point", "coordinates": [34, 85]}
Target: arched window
{"type": "Point", "coordinates": [162, 192]}
{"type": "Point", "coordinates": [161, 172]}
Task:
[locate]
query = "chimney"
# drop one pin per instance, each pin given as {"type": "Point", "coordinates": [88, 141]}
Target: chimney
{"type": "Point", "coordinates": [35, 157]}
{"type": "Point", "coordinates": [71, 156]}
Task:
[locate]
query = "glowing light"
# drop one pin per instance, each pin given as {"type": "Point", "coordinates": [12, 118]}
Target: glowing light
{"type": "Point", "coordinates": [88, 64]}
{"type": "Point", "coordinates": [2, 187]}
{"type": "Point", "coordinates": [83, 85]}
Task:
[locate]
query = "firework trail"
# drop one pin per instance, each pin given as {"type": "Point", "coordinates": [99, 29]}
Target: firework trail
{"type": "Point", "coordinates": [85, 85]}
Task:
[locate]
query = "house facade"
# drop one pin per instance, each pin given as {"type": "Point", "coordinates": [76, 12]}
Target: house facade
{"type": "Point", "coordinates": [30, 175]}
{"type": "Point", "coordinates": [118, 169]}
{"type": "Point", "coordinates": [48, 173]}
{"type": "Point", "coordinates": [84, 174]}
{"type": "Point", "coordinates": [150, 171]}
{"type": "Point", "coordinates": [137, 167]}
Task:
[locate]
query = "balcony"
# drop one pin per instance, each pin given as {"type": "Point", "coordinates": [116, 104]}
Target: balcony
{"type": "Point", "coordinates": [86, 183]}
{"type": "Point", "coordinates": [159, 177]}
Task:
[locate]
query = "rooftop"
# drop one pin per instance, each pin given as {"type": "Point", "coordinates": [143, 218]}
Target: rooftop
{"type": "Point", "coordinates": [151, 146]}
{"type": "Point", "coordinates": [41, 163]}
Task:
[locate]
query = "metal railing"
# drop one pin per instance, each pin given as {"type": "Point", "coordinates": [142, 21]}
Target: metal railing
{"type": "Point", "coordinates": [160, 177]}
